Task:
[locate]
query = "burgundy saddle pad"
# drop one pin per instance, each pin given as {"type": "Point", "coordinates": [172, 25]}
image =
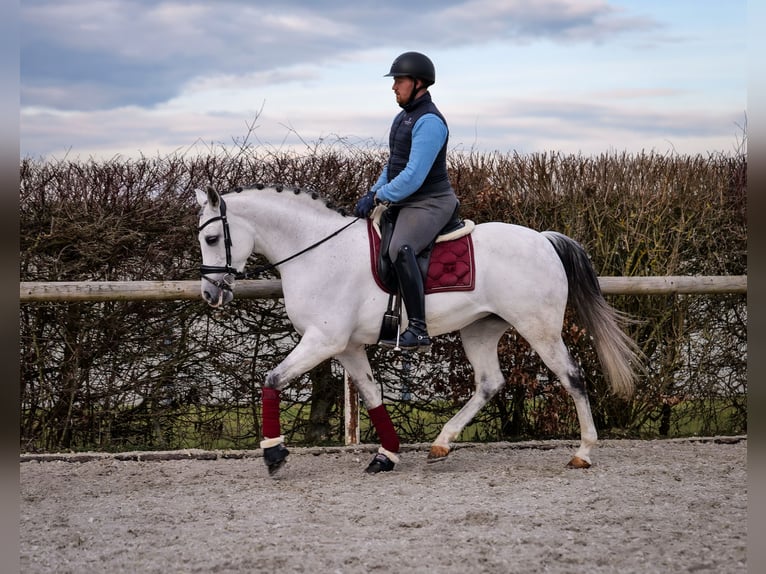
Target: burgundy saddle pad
{"type": "Point", "coordinates": [451, 267]}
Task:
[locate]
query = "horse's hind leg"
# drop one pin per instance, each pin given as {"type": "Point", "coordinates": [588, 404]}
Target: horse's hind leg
{"type": "Point", "coordinates": [480, 343]}
{"type": "Point", "coordinates": [555, 355]}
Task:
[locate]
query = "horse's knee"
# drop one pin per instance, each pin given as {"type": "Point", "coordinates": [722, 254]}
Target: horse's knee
{"type": "Point", "coordinates": [272, 381]}
{"type": "Point", "coordinates": [574, 384]}
{"type": "Point", "coordinates": [488, 385]}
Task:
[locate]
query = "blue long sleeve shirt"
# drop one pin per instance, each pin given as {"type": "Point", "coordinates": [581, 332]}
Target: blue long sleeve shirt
{"type": "Point", "coordinates": [428, 136]}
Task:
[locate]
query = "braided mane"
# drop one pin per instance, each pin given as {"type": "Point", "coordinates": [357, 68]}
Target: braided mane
{"type": "Point", "coordinates": [279, 188]}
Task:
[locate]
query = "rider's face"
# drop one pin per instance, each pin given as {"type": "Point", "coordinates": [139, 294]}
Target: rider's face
{"type": "Point", "coordinates": [403, 86]}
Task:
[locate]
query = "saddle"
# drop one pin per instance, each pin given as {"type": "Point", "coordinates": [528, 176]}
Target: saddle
{"type": "Point", "coordinates": [447, 264]}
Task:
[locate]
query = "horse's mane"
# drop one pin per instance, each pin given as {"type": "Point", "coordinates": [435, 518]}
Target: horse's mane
{"type": "Point", "coordinates": [280, 188]}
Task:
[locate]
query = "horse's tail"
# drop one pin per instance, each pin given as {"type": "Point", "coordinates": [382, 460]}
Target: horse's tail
{"type": "Point", "coordinates": [620, 356]}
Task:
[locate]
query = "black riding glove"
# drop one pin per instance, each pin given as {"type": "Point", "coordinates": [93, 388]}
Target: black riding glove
{"type": "Point", "coordinates": [365, 205]}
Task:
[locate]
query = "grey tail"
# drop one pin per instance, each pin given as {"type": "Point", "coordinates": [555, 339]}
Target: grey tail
{"type": "Point", "coordinates": [620, 356]}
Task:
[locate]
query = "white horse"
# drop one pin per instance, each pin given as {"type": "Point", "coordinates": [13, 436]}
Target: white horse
{"type": "Point", "coordinates": [523, 279]}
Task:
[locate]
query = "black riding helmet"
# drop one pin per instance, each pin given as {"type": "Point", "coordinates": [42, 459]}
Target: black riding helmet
{"type": "Point", "coordinates": [414, 64]}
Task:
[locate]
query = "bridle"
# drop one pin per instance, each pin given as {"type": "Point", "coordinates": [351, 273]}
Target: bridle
{"type": "Point", "coordinates": [230, 274]}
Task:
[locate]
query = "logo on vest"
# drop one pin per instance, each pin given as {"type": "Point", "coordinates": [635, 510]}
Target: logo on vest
{"type": "Point", "coordinates": [408, 121]}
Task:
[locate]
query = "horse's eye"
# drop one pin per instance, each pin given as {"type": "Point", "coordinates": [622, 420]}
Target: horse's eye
{"type": "Point", "coordinates": [211, 239]}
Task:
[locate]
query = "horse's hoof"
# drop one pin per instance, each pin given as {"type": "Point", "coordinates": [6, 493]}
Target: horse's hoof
{"type": "Point", "coordinates": [437, 453]}
{"type": "Point", "coordinates": [275, 458]}
{"type": "Point", "coordinates": [578, 462]}
{"type": "Point", "coordinates": [381, 463]}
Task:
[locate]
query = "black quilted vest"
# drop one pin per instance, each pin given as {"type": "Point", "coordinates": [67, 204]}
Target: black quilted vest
{"type": "Point", "coordinates": [400, 142]}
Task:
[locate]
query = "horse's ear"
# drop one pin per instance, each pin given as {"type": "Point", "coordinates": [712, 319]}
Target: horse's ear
{"type": "Point", "coordinates": [201, 197]}
{"type": "Point", "coordinates": [210, 196]}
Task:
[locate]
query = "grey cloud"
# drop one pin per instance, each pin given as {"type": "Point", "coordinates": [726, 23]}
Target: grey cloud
{"type": "Point", "coordinates": [577, 119]}
{"type": "Point", "coordinates": [96, 55]}
{"type": "Point", "coordinates": [561, 21]}
{"type": "Point", "coordinates": [142, 55]}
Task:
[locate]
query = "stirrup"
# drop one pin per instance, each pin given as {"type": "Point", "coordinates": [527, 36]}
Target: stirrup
{"type": "Point", "coordinates": [410, 340]}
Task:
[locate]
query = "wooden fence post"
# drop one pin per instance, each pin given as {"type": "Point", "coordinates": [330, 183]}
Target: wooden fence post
{"type": "Point", "coordinates": [350, 410]}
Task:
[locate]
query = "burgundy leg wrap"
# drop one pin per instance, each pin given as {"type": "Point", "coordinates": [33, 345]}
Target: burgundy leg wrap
{"type": "Point", "coordinates": [270, 413]}
{"type": "Point", "coordinates": [385, 428]}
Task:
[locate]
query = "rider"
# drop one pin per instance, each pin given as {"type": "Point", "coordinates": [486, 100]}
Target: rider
{"type": "Point", "coordinates": [415, 183]}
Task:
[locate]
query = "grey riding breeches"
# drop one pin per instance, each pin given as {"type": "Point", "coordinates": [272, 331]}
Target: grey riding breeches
{"type": "Point", "coordinates": [419, 222]}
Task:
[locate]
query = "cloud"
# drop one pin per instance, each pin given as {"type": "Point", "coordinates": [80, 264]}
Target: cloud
{"type": "Point", "coordinates": [126, 76]}
{"type": "Point", "coordinates": [573, 125]}
{"type": "Point", "coordinates": [524, 125]}
{"type": "Point", "coordinates": [561, 21]}
{"type": "Point", "coordinates": [95, 54]}
{"type": "Point", "coordinates": [143, 53]}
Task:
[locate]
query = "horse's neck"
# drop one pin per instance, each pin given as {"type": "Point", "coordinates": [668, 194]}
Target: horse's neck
{"type": "Point", "coordinates": [284, 224]}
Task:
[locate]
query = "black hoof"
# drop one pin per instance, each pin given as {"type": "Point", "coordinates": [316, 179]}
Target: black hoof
{"type": "Point", "coordinates": [381, 463]}
{"type": "Point", "coordinates": [275, 458]}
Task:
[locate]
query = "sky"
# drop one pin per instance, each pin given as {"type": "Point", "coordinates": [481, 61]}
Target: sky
{"type": "Point", "coordinates": [130, 78]}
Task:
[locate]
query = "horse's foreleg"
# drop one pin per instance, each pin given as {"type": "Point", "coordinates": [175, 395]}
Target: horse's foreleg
{"type": "Point", "coordinates": [308, 353]}
{"type": "Point", "coordinates": [274, 450]}
{"type": "Point", "coordinates": [480, 344]}
{"type": "Point", "coordinates": [354, 360]}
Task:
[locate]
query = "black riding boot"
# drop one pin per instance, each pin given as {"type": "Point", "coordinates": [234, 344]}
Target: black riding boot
{"type": "Point", "coordinates": [415, 338]}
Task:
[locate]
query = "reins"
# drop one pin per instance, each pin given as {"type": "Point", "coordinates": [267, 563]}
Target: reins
{"type": "Point", "coordinates": [270, 266]}
{"type": "Point", "coordinates": [231, 274]}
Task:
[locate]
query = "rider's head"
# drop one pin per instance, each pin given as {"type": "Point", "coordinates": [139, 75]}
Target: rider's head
{"type": "Point", "coordinates": [413, 73]}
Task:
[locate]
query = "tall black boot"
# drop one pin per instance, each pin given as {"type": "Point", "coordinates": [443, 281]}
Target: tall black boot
{"type": "Point", "coordinates": [415, 338]}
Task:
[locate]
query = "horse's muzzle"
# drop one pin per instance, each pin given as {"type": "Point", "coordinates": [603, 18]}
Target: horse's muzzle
{"type": "Point", "coordinates": [217, 299]}
{"type": "Point", "coordinates": [217, 293]}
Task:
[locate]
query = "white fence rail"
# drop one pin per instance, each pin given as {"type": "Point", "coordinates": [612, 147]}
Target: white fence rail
{"type": "Point", "coordinates": [63, 291]}
{"type": "Point", "coordinates": [30, 292]}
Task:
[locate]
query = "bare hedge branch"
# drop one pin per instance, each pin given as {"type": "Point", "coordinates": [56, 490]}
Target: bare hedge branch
{"type": "Point", "coordinates": [145, 375]}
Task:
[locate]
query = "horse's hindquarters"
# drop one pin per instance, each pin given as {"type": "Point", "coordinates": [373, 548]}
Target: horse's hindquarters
{"type": "Point", "coordinates": [519, 278]}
